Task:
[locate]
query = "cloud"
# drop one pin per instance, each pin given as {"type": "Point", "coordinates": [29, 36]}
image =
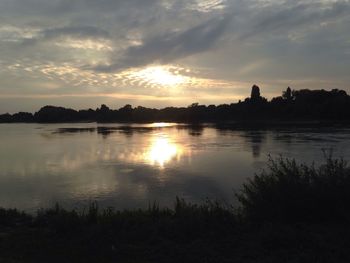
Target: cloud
{"type": "Point", "coordinates": [171, 46]}
{"type": "Point", "coordinates": [76, 31]}
{"type": "Point", "coordinates": [293, 15]}
{"type": "Point", "coordinates": [78, 43]}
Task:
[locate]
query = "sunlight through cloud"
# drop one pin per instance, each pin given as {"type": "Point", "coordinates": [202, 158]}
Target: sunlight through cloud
{"type": "Point", "coordinates": [161, 75]}
{"type": "Point", "coordinates": [208, 5]}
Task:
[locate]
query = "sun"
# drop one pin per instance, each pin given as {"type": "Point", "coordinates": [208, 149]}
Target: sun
{"type": "Point", "coordinates": [161, 75]}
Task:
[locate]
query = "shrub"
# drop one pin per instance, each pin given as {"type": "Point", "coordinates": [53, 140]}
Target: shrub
{"type": "Point", "coordinates": [292, 192]}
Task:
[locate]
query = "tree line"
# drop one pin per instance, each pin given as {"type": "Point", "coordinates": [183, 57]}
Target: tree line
{"type": "Point", "coordinates": [292, 105]}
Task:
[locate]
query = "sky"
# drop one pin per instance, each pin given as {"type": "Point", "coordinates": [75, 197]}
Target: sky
{"type": "Point", "coordinates": [156, 53]}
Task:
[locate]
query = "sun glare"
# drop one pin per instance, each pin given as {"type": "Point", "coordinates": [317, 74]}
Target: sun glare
{"type": "Point", "coordinates": [160, 75]}
{"type": "Point", "coordinates": [161, 124]}
{"type": "Point", "coordinates": [161, 151]}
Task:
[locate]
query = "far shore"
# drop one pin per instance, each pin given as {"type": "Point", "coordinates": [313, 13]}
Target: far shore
{"type": "Point", "coordinates": [297, 107]}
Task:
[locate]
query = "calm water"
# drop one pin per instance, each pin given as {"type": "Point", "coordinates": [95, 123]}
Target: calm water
{"type": "Point", "coordinates": [130, 166]}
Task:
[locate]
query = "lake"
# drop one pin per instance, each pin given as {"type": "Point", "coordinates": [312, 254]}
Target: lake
{"type": "Point", "coordinates": [130, 166]}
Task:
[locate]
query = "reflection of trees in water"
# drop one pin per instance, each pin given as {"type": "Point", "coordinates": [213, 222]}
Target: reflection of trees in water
{"type": "Point", "coordinates": [125, 130]}
{"type": "Point", "coordinates": [286, 137]}
{"type": "Point", "coordinates": [252, 138]}
{"type": "Point", "coordinates": [74, 130]}
{"type": "Point", "coordinates": [105, 131]}
{"type": "Point", "coordinates": [193, 130]}
{"type": "Point", "coordinates": [255, 140]}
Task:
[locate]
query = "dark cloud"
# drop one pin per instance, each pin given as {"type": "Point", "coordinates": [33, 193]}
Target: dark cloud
{"type": "Point", "coordinates": [59, 7]}
{"type": "Point", "coordinates": [294, 15]}
{"type": "Point", "coordinates": [171, 46]}
{"type": "Point", "coordinates": [79, 32]}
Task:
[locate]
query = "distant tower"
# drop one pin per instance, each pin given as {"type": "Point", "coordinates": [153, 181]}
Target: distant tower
{"type": "Point", "coordinates": [255, 94]}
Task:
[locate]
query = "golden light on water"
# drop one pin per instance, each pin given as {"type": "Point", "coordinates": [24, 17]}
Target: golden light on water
{"type": "Point", "coordinates": [162, 124]}
{"type": "Point", "coordinates": [162, 151]}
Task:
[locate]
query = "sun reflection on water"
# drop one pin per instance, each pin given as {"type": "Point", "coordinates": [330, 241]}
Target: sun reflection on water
{"type": "Point", "coordinates": [162, 151]}
{"type": "Point", "coordinates": [162, 124]}
{"type": "Point", "coordinates": [159, 151]}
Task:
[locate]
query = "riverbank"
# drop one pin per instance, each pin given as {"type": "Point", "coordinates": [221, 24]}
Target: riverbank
{"type": "Point", "coordinates": [160, 236]}
{"type": "Point", "coordinates": [289, 213]}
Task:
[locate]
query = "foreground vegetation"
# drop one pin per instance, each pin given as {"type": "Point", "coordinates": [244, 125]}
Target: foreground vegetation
{"type": "Point", "coordinates": [289, 213]}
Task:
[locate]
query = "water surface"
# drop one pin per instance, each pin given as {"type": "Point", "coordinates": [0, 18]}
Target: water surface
{"type": "Point", "coordinates": [128, 166]}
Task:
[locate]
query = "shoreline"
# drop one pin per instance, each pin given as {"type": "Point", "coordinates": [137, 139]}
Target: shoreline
{"type": "Point", "coordinates": [291, 213]}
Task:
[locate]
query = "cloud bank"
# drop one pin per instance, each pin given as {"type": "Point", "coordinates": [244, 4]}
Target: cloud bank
{"type": "Point", "coordinates": [95, 47]}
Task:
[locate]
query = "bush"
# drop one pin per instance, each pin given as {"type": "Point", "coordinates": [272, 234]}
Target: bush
{"type": "Point", "coordinates": [292, 192]}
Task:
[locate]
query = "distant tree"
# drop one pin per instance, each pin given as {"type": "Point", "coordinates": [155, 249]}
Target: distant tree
{"type": "Point", "coordinates": [287, 95]}
{"type": "Point", "coordinates": [127, 107]}
{"type": "Point", "coordinates": [55, 114]}
{"type": "Point", "coordinates": [104, 108]}
{"type": "Point", "coordinates": [23, 117]}
{"type": "Point", "coordinates": [5, 117]}
{"type": "Point", "coordinates": [277, 100]}
{"type": "Point", "coordinates": [125, 113]}
{"type": "Point", "coordinates": [193, 105]}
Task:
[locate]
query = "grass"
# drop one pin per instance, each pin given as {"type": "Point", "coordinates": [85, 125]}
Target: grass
{"type": "Point", "coordinates": [289, 213]}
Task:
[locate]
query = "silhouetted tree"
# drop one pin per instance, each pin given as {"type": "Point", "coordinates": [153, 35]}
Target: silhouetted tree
{"type": "Point", "coordinates": [104, 108]}
{"type": "Point", "coordinates": [6, 118]}
{"type": "Point", "coordinates": [193, 105]}
{"type": "Point", "coordinates": [56, 114]}
{"type": "Point", "coordinates": [287, 94]}
{"type": "Point", "coordinates": [127, 107]}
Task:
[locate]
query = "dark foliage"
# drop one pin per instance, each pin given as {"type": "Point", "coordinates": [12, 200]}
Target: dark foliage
{"type": "Point", "coordinates": [292, 192]}
{"type": "Point", "coordinates": [296, 105]}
